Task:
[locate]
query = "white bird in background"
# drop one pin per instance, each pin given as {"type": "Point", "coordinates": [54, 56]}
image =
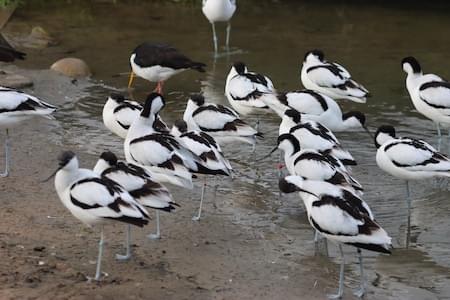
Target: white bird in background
{"type": "Point", "coordinates": [94, 200]}
{"type": "Point", "coordinates": [212, 160]}
{"type": "Point", "coordinates": [158, 62]}
{"type": "Point", "coordinates": [160, 153]}
{"type": "Point", "coordinates": [408, 159]}
{"type": "Point", "coordinates": [246, 90]}
{"type": "Point", "coordinates": [219, 121]}
{"type": "Point", "coordinates": [342, 217]}
{"type": "Point", "coordinates": [119, 113]}
{"type": "Point", "coordinates": [15, 108]}
{"type": "Point", "coordinates": [219, 11]}
{"type": "Point", "coordinates": [139, 184]}
{"type": "Point", "coordinates": [313, 135]}
{"type": "Point", "coordinates": [429, 93]}
{"type": "Point", "coordinates": [330, 79]}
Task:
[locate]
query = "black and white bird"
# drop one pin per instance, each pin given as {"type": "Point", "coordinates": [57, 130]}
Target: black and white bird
{"type": "Point", "coordinates": [158, 62]}
{"type": "Point", "coordinates": [310, 164]}
{"type": "Point", "coordinates": [408, 159]}
{"type": "Point", "coordinates": [219, 11]}
{"type": "Point", "coordinates": [313, 135]}
{"type": "Point", "coordinates": [429, 93]}
{"type": "Point", "coordinates": [160, 153]}
{"type": "Point", "coordinates": [139, 183]}
{"type": "Point", "coordinates": [94, 200]}
{"type": "Point", "coordinates": [7, 52]}
{"type": "Point", "coordinates": [317, 107]}
{"type": "Point", "coordinates": [330, 78]}
{"type": "Point", "coordinates": [17, 107]}
{"type": "Point", "coordinates": [119, 113]}
{"type": "Point", "coordinates": [219, 121]}
{"type": "Point", "coordinates": [246, 90]}
{"type": "Point", "coordinates": [341, 217]}
{"type": "Point", "coordinates": [212, 160]}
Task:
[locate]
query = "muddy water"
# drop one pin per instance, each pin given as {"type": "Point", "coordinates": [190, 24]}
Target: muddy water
{"type": "Point", "coordinates": [271, 38]}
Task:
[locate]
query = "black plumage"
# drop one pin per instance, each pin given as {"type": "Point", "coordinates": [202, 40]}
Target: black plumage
{"type": "Point", "coordinates": [152, 54]}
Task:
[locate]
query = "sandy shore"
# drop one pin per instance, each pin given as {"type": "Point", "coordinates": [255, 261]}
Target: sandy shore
{"type": "Point", "coordinates": [47, 254]}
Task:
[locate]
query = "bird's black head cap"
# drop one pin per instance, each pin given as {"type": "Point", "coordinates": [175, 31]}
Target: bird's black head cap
{"type": "Point", "coordinates": [109, 157]}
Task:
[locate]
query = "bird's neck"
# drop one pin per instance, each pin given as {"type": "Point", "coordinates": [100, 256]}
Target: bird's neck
{"type": "Point", "coordinates": [141, 126]}
{"type": "Point", "coordinates": [412, 80]}
{"type": "Point", "coordinates": [100, 166]}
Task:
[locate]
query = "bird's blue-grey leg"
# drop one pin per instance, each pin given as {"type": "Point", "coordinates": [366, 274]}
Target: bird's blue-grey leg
{"type": "Point", "coordinates": [157, 235]}
{"type": "Point", "coordinates": [438, 128]}
{"type": "Point", "coordinates": [6, 173]}
{"type": "Point", "coordinates": [408, 203]}
{"type": "Point", "coordinates": [197, 217]}
{"type": "Point", "coordinates": [320, 245]}
{"type": "Point", "coordinates": [99, 259]}
{"type": "Point", "coordinates": [341, 278]}
{"type": "Point", "coordinates": [362, 285]}
{"type": "Point", "coordinates": [227, 45]}
{"type": "Point", "coordinates": [214, 37]}
{"type": "Point", "coordinates": [127, 254]}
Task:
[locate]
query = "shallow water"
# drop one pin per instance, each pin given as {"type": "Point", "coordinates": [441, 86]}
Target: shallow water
{"type": "Point", "coordinates": [370, 40]}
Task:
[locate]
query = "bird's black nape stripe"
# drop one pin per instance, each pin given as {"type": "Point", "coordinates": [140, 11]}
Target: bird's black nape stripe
{"type": "Point", "coordinates": [315, 52]}
{"type": "Point", "coordinates": [109, 157]}
{"type": "Point", "coordinates": [356, 114]}
{"type": "Point", "coordinates": [65, 157]}
{"type": "Point", "coordinates": [414, 64]}
{"type": "Point", "coordinates": [287, 187]}
{"type": "Point", "coordinates": [181, 125]}
{"type": "Point", "coordinates": [199, 99]}
{"type": "Point", "coordinates": [119, 98]}
{"type": "Point", "coordinates": [292, 139]}
{"type": "Point", "coordinates": [294, 115]}
{"type": "Point", "coordinates": [239, 67]}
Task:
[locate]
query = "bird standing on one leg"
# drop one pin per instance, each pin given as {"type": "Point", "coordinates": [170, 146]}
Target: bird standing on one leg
{"type": "Point", "coordinates": [408, 159]}
{"type": "Point", "coordinates": [15, 108]}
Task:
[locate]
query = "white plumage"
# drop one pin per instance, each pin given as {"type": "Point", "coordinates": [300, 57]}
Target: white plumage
{"type": "Point", "coordinates": [310, 164]}
{"type": "Point", "coordinates": [219, 121]}
{"type": "Point", "coordinates": [204, 146]}
{"type": "Point", "coordinates": [119, 113]}
{"type": "Point", "coordinates": [330, 79]}
{"type": "Point", "coordinates": [408, 158]}
{"type": "Point", "coordinates": [17, 107]}
{"type": "Point", "coordinates": [313, 135]}
{"type": "Point", "coordinates": [160, 153]}
{"type": "Point", "coordinates": [429, 93]}
{"type": "Point", "coordinates": [94, 200]}
{"type": "Point", "coordinates": [317, 107]}
{"type": "Point", "coordinates": [246, 90]}
{"type": "Point", "coordinates": [140, 184]}
{"type": "Point", "coordinates": [341, 216]}
{"type": "Point", "coordinates": [219, 11]}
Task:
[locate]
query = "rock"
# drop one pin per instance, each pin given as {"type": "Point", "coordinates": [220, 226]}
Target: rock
{"type": "Point", "coordinates": [39, 39]}
{"type": "Point", "coordinates": [15, 81]}
{"type": "Point", "coordinates": [72, 67]}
